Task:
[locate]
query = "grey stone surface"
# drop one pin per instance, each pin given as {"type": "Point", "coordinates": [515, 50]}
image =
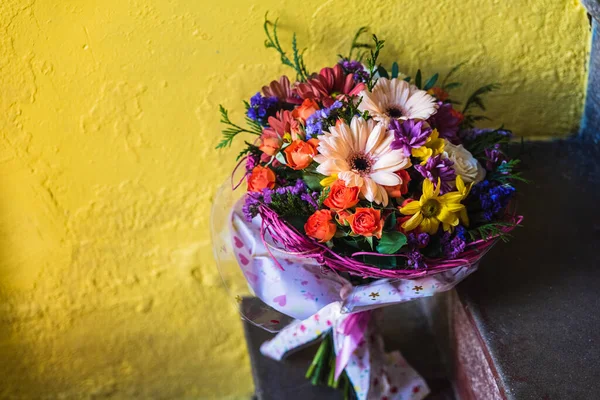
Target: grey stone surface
{"type": "Point", "coordinates": [593, 7]}
{"type": "Point", "coordinates": [405, 327]}
{"type": "Point", "coordinates": [536, 299]}
{"type": "Point", "coordinates": [590, 123]}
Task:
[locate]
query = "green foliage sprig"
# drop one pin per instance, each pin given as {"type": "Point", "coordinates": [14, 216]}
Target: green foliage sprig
{"type": "Point", "coordinates": [491, 230]}
{"type": "Point", "coordinates": [476, 101]}
{"type": "Point", "coordinates": [233, 130]}
{"type": "Point", "coordinates": [272, 42]}
{"type": "Point", "coordinates": [356, 45]}
{"type": "Point", "coordinates": [372, 65]}
{"type": "Point", "coordinates": [505, 173]}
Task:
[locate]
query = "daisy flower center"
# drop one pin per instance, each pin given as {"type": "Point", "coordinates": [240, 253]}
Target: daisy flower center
{"type": "Point", "coordinates": [431, 208]}
{"type": "Point", "coordinates": [361, 163]}
{"type": "Point", "coordinates": [394, 112]}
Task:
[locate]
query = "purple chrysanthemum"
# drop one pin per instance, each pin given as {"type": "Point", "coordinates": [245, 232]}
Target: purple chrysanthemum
{"type": "Point", "coordinates": [437, 167]}
{"type": "Point", "coordinates": [446, 121]}
{"type": "Point", "coordinates": [409, 135]}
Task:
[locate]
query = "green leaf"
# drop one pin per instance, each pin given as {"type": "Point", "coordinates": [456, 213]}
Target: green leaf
{"type": "Point", "coordinates": [391, 242]}
{"type": "Point", "coordinates": [382, 72]}
{"type": "Point", "coordinates": [313, 180]}
{"type": "Point", "coordinates": [394, 70]}
{"type": "Point", "coordinates": [407, 79]}
{"type": "Point", "coordinates": [452, 85]}
{"type": "Point", "coordinates": [369, 239]}
{"type": "Point", "coordinates": [418, 79]}
{"type": "Point", "coordinates": [429, 84]}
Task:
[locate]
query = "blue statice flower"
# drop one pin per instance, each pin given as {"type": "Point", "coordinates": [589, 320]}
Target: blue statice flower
{"type": "Point", "coordinates": [261, 108]}
{"type": "Point", "coordinates": [493, 197]}
{"type": "Point", "coordinates": [322, 119]}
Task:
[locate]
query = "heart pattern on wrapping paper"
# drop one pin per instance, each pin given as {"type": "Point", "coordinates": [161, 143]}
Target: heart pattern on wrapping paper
{"type": "Point", "coordinates": [244, 260]}
{"type": "Point", "coordinates": [281, 300]}
{"type": "Point", "coordinates": [238, 243]}
{"type": "Point", "coordinates": [252, 277]}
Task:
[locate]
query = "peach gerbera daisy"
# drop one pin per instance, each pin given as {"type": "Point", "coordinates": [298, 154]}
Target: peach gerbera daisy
{"type": "Point", "coordinates": [360, 155]}
{"type": "Point", "coordinates": [397, 99]}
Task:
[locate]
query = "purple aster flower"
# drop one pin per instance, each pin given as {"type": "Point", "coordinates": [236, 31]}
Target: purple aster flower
{"type": "Point", "coordinates": [440, 168]}
{"type": "Point", "coordinates": [356, 69]}
{"type": "Point", "coordinates": [261, 108]}
{"type": "Point", "coordinates": [446, 120]}
{"type": "Point", "coordinates": [409, 134]}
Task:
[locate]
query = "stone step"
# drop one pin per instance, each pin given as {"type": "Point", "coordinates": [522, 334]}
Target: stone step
{"type": "Point", "coordinates": [405, 327]}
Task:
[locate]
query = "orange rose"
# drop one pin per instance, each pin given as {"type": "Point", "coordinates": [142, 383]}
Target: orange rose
{"type": "Point", "coordinates": [270, 145]}
{"type": "Point", "coordinates": [260, 178]}
{"type": "Point", "coordinates": [306, 109]}
{"type": "Point", "coordinates": [439, 93]}
{"type": "Point", "coordinates": [342, 217]}
{"type": "Point", "coordinates": [366, 222]}
{"type": "Point", "coordinates": [341, 197]}
{"type": "Point", "coordinates": [300, 154]}
{"type": "Point", "coordinates": [399, 190]}
{"type": "Point", "coordinates": [320, 226]}
{"type": "Point", "coordinates": [457, 114]}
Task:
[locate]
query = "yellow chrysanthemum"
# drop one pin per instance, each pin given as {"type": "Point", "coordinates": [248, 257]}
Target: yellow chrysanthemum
{"type": "Point", "coordinates": [325, 182]}
{"type": "Point", "coordinates": [464, 192]}
{"type": "Point", "coordinates": [433, 209]}
{"type": "Point", "coordinates": [432, 147]}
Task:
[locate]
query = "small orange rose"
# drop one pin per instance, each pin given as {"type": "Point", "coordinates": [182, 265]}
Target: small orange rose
{"type": "Point", "coordinates": [320, 226]}
{"type": "Point", "coordinates": [342, 217]}
{"type": "Point", "coordinates": [366, 222]}
{"type": "Point", "coordinates": [260, 178]}
{"type": "Point", "coordinates": [299, 154]}
{"type": "Point", "coordinates": [341, 197]}
{"type": "Point", "coordinates": [270, 144]}
{"type": "Point", "coordinates": [439, 93]}
{"type": "Point", "coordinates": [401, 189]}
{"type": "Point", "coordinates": [306, 109]}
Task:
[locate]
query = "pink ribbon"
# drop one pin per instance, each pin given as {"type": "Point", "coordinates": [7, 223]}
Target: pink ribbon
{"type": "Point", "coordinates": [352, 330]}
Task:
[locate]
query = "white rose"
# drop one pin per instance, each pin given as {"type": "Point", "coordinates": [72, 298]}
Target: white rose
{"type": "Point", "coordinates": [465, 164]}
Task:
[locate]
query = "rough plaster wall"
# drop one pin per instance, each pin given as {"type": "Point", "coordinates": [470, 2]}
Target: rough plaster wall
{"type": "Point", "coordinates": [108, 123]}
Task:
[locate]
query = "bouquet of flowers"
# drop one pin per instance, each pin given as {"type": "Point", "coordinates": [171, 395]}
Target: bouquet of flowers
{"type": "Point", "coordinates": [365, 188]}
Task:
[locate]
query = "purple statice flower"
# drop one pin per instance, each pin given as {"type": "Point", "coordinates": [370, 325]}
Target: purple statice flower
{"type": "Point", "coordinates": [453, 243]}
{"type": "Point", "coordinates": [470, 134]}
{"type": "Point", "coordinates": [437, 167]}
{"type": "Point", "coordinates": [446, 121]}
{"type": "Point", "coordinates": [309, 198]}
{"type": "Point", "coordinates": [356, 69]}
{"type": "Point", "coordinates": [322, 119]}
{"type": "Point", "coordinates": [408, 135]}
{"type": "Point", "coordinates": [415, 240]}
{"type": "Point", "coordinates": [261, 108]}
{"type": "Point", "coordinates": [416, 259]}
{"type": "Point", "coordinates": [494, 157]}
{"type": "Point", "coordinates": [493, 197]}
{"type": "Point", "coordinates": [252, 161]}
{"type": "Point", "coordinates": [267, 195]}
{"type": "Point", "coordinates": [251, 203]}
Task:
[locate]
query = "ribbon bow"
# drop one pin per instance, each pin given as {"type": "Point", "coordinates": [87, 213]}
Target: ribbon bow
{"type": "Point", "coordinates": [359, 351]}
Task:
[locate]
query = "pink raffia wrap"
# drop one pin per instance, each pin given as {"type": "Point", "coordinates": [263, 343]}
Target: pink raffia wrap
{"type": "Point", "coordinates": [297, 277]}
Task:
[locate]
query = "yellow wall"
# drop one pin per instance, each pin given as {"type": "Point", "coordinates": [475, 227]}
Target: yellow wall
{"type": "Point", "coordinates": [108, 120]}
